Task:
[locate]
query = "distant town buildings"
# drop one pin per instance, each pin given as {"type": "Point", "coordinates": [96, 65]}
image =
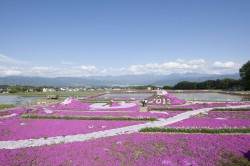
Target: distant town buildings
{"type": "Point", "coordinates": [49, 90]}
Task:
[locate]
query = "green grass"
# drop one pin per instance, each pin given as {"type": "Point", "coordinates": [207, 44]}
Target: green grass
{"type": "Point", "coordinates": [89, 118]}
{"type": "Point", "coordinates": [171, 109]}
{"type": "Point", "coordinates": [231, 109]}
{"type": "Point", "coordinates": [5, 106]}
{"type": "Point", "coordinates": [196, 130]}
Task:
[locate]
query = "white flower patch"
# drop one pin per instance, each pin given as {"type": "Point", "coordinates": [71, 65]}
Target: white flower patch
{"type": "Point", "coordinates": [47, 111]}
{"type": "Point", "coordinates": [118, 143]}
{"type": "Point", "coordinates": [221, 118]}
{"type": "Point", "coordinates": [67, 101]}
{"type": "Point", "coordinates": [160, 112]}
{"type": "Point", "coordinates": [8, 116]}
{"type": "Point", "coordinates": [162, 92]}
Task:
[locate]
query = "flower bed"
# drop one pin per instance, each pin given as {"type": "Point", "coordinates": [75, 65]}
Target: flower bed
{"type": "Point", "coordinates": [122, 118]}
{"type": "Point", "coordinates": [196, 106]}
{"type": "Point", "coordinates": [69, 104]}
{"type": "Point", "coordinates": [164, 98]}
{"type": "Point", "coordinates": [16, 111]}
{"type": "Point", "coordinates": [216, 119]}
{"type": "Point", "coordinates": [15, 128]}
{"type": "Point", "coordinates": [137, 149]}
{"type": "Point", "coordinates": [76, 105]}
{"type": "Point", "coordinates": [110, 113]}
{"type": "Point", "coordinates": [114, 106]}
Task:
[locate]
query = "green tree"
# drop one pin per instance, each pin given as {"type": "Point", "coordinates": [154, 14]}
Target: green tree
{"type": "Point", "coordinates": [245, 75]}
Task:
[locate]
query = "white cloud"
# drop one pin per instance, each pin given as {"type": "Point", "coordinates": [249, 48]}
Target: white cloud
{"type": "Point", "coordinates": [8, 60]}
{"type": "Point", "coordinates": [9, 71]}
{"type": "Point", "coordinates": [40, 68]}
{"type": "Point", "coordinates": [87, 68]}
{"type": "Point", "coordinates": [178, 66]}
{"type": "Point", "coordinates": [225, 64]}
{"type": "Point", "coordinates": [224, 67]}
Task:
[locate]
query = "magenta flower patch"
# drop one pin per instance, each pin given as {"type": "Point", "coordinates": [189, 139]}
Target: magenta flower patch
{"type": "Point", "coordinates": [135, 149]}
{"type": "Point", "coordinates": [217, 120]}
{"type": "Point", "coordinates": [16, 128]}
{"type": "Point", "coordinates": [76, 105]}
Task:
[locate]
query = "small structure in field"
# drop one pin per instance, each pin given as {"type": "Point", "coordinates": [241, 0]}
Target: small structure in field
{"type": "Point", "coordinates": [52, 97]}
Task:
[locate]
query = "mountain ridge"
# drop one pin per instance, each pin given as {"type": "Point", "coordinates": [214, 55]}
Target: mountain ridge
{"type": "Point", "coordinates": [123, 80]}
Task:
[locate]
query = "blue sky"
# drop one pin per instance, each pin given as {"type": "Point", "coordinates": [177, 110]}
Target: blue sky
{"type": "Point", "coordinates": [116, 37]}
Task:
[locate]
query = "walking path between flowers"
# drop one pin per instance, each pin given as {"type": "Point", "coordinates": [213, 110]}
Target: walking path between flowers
{"type": "Point", "coordinates": [100, 134]}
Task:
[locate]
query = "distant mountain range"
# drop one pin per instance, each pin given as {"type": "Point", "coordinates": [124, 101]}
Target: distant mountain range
{"type": "Point", "coordinates": [124, 80]}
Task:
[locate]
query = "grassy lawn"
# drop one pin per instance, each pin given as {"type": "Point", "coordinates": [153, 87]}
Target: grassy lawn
{"type": "Point", "coordinates": [5, 106]}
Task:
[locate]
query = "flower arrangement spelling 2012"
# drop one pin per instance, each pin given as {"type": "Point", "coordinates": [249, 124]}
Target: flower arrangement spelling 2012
{"type": "Point", "coordinates": [164, 98]}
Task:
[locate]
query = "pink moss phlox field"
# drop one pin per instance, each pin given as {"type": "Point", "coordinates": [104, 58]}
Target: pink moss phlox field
{"type": "Point", "coordinates": [239, 119]}
{"type": "Point", "coordinates": [17, 111]}
{"type": "Point", "coordinates": [16, 128]}
{"type": "Point", "coordinates": [164, 98]}
{"type": "Point", "coordinates": [73, 104]}
{"type": "Point", "coordinates": [134, 108]}
{"type": "Point", "coordinates": [111, 114]}
{"type": "Point", "coordinates": [135, 149]}
{"type": "Point", "coordinates": [76, 105]}
{"type": "Point", "coordinates": [175, 100]}
{"type": "Point", "coordinates": [196, 106]}
{"type": "Point", "coordinates": [212, 105]}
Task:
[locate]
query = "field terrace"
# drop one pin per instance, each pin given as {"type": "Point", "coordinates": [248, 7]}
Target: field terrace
{"type": "Point", "coordinates": [70, 133]}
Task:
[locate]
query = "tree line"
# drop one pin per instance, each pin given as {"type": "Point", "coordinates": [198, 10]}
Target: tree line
{"type": "Point", "coordinates": [228, 84]}
{"type": "Point", "coordinates": [209, 84]}
{"type": "Point", "coordinates": [21, 88]}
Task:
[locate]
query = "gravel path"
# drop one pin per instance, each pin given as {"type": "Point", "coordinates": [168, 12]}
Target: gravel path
{"type": "Point", "coordinates": [100, 134]}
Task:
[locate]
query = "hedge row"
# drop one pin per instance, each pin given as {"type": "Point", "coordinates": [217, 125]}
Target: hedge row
{"type": "Point", "coordinates": [231, 109]}
{"type": "Point", "coordinates": [171, 109]}
{"type": "Point", "coordinates": [89, 118]}
{"type": "Point", "coordinates": [196, 130]}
